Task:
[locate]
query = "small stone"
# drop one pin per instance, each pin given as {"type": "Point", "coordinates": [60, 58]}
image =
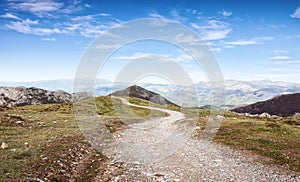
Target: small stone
{"type": "Point", "coordinates": [4, 145]}
{"type": "Point", "coordinates": [26, 143]}
{"type": "Point", "coordinates": [19, 122]}
{"type": "Point", "coordinates": [54, 122]}
{"type": "Point", "coordinates": [197, 128]}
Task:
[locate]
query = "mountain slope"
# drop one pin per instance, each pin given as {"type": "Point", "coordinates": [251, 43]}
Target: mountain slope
{"type": "Point", "coordinates": [140, 92]}
{"type": "Point", "coordinates": [283, 105]}
{"type": "Point", "coordinates": [20, 96]}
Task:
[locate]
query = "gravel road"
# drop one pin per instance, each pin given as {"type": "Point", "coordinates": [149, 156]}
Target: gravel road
{"type": "Point", "coordinates": [158, 150]}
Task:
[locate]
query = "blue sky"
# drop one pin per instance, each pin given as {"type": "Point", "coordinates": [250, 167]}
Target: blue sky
{"type": "Point", "coordinates": [252, 40]}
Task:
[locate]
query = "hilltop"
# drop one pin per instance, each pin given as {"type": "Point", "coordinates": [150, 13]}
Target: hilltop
{"type": "Point", "coordinates": [283, 105]}
{"type": "Point", "coordinates": [142, 93]}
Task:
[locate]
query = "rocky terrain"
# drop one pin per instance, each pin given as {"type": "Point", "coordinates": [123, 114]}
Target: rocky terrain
{"type": "Point", "coordinates": [140, 92]}
{"type": "Point", "coordinates": [284, 105]}
{"type": "Point", "coordinates": [20, 96]}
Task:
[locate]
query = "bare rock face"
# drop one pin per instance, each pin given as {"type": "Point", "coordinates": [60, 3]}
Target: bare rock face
{"type": "Point", "coordinates": [140, 92]}
{"type": "Point", "coordinates": [20, 96]}
{"type": "Point", "coordinates": [283, 105]}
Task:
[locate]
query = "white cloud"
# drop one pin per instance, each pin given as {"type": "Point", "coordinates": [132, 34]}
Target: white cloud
{"type": "Point", "coordinates": [89, 17]}
{"type": "Point", "coordinates": [38, 7]}
{"type": "Point", "coordinates": [11, 16]}
{"type": "Point", "coordinates": [276, 26]}
{"type": "Point", "coordinates": [213, 29]}
{"type": "Point", "coordinates": [137, 55]}
{"type": "Point", "coordinates": [253, 41]}
{"type": "Point", "coordinates": [156, 15]}
{"type": "Point", "coordinates": [296, 14]}
{"type": "Point", "coordinates": [108, 46]}
{"type": "Point", "coordinates": [26, 26]}
{"type": "Point", "coordinates": [91, 25]}
{"type": "Point", "coordinates": [225, 13]}
{"type": "Point", "coordinates": [280, 57]}
{"type": "Point", "coordinates": [286, 62]}
{"type": "Point", "coordinates": [104, 14]}
{"type": "Point", "coordinates": [194, 12]}
{"type": "Point", "coordinates": [241, 42]}
{"type": "Point", "coordinates": [48, 8]}
{"type": "Point", "coordinates": [183, 57]}
{"type": "Point", "coordinates": [216, 34]}
{"type": "Point", "coordinates": [279, 51]}
{"type": "Point", "coordinates": [49, 39]}
{"type": "Point", "coordinates": [177, 17]}
{"type": "Point", "coordinates": [217, 49]}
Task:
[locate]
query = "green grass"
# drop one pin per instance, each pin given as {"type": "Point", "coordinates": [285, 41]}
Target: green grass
{"type": "Point", "coordinates": [273, 138]}
{"type": "Point", "coordinates": [51, 132]}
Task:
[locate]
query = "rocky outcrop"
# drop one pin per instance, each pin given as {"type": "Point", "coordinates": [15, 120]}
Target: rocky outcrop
{"type": "Point", "coordinates": [283, 105]}
{"type": "Point", "coordinates": [140, 92]}
{"type": "Point", "coordinates": [20, 96]}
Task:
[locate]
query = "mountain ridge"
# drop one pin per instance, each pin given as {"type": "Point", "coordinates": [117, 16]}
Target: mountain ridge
{"type": "Point", "coordinates": [237, 92]}
{"type": "Point", "coordinates": [283, 105]}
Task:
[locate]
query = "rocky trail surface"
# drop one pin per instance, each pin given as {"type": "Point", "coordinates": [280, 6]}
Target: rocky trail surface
{"type": "Point", "coordinates": [162, 150]}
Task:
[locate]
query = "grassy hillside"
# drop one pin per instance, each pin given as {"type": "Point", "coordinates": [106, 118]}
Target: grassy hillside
{"type": "Point", "coordinates": [275, 138]}
{"type": "Point", "coordinates": [44, 141]}
{"type": "Point", "coordinates": [47, 142]}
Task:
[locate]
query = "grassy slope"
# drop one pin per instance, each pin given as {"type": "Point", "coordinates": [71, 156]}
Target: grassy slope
{"type": "Point", "coordinates": [56, 148]}
{"type": "Point", "coordinates": [275, 138]}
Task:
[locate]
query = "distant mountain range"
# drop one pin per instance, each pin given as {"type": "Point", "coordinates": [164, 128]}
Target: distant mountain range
{"type": "Point", "coordinates": [237, 92]}
{"type": "Point", "coordinates": [139, 92]}
{"type": "Point", "coordinates": [283, 105]}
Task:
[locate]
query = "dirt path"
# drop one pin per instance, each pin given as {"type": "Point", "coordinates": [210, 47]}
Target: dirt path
{"type": "Point", "coordinates": [161, 150]}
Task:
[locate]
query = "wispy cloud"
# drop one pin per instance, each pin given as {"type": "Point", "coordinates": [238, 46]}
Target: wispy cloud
{"type": "Point", "coordinates": [91, 25]}
{"type": "Point", "coordinates": [213, 29]}
{"type": "Point", "coordinates": [182, 57]}
{"type": "Point", "coordinates": [89, 17]}
{"type": "Point", "coordinates": [225, 13]}
{"type": "Point", "coordinates": [10, 15]}
{"type": "Point", "coordinates": [156, 15]}
{"type": "Point", "coordinates": [49, 39]}
{"type": "Point", "coordinates": [28, 27]}
{"type": "Point", "coordinates": [131, 57]}
{"type": "Point", "coordinates": [87, 5]}
{"type": "Point", "coordinates": [280, 57]}
{"type": "Point", "coordinates": [279, 51]}
{"type": "Point", "coordinates": [241, 42]}
{"type": "Point", "coordinates": [296, 14]}
{"type": "Point", "coordinates": [176, 16]}
{"type": "Point", "coordinates": [46, 8]}
{"type": "Point", "coordinates": [194, 11]}
{"type": "Point", "coordinates": [276, 26]}
{"type": "Point", "coordinates": [288, 62]}
{"type": "Point", "coordinates": [253, 41]}
{"type": "Point", "coordinates": [38, 7]}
